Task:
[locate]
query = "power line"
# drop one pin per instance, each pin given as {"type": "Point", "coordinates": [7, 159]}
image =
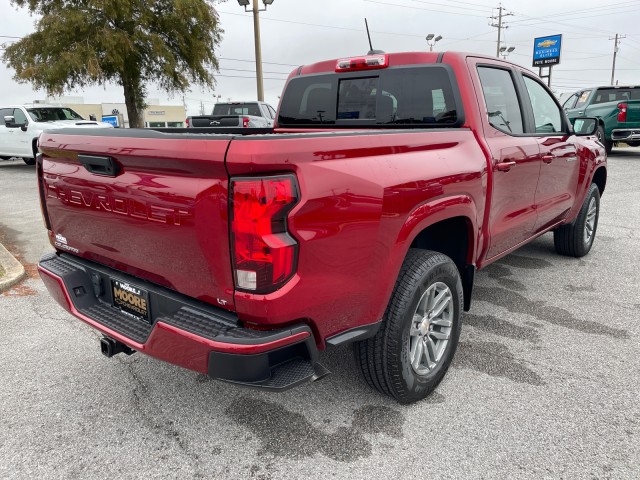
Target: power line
{"type": "Point", "coordinates": [424, 9]}
{"type": "Point", "coordinates": [572, 13]}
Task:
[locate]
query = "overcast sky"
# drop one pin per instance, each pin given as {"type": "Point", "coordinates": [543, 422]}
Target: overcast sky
{"type": "Point", "coordinates": [296, 32]}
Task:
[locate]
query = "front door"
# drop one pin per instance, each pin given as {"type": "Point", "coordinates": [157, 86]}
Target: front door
{"type": "Point", "coordinates": [557, 187]}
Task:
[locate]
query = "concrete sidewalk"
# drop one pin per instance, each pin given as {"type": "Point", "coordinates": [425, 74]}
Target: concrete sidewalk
{"type": "Point", "coordinates": [13, 269]}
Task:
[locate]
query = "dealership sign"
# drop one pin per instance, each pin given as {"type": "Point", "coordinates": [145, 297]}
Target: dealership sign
{"type": "Point", "coordinates": [546, 50]}
{"type": "Point", "coordinates": [112, 119]}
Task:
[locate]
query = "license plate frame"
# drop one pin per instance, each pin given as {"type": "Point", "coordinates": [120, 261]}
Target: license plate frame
{"type": "Point", "coordinates": [131, 299]}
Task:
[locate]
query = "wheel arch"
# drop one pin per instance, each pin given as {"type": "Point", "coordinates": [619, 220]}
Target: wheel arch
{"type": "Point", "coordinates": [600, 178]}
{"type": "Point", "coordinates": [439, 237]}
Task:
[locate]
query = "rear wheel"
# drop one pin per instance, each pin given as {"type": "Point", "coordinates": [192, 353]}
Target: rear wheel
{"type": "Point", "coordinates": [576, 238]}
{"type": "Point", "coordinates": [608, 144]}
{"type": "Point", "coordinates": [29, 161]}
{"type": "Point", "coordinates": [411, 353]}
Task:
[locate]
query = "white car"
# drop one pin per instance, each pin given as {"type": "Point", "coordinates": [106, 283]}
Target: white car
{"type": "Point", "coordinates": [20, 127]}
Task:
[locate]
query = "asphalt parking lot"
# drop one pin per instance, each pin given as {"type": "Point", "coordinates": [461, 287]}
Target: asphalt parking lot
{"type": "Point", "coordinates": [544, 384]}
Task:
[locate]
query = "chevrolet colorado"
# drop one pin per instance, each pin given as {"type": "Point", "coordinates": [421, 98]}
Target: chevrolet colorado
{"type": "Point", "coordinates": [360, 218]}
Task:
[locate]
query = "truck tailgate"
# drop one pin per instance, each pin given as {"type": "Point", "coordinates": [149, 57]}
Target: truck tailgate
{"type": "Point", "coordinates": [161, 217]}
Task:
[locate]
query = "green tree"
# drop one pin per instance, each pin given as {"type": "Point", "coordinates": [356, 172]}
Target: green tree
{"type": "Point", "coordinates": [78, 43]}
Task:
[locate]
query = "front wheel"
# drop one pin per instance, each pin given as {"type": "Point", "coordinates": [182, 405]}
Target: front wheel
{"type": "Point", "coordinates": [411, 353]}
{"type": "Point", "coordinates": [29, 161]}
{"type": "Point", "coordinates": [576, 238]}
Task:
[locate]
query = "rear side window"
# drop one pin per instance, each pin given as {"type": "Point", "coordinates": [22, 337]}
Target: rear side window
{"type": "Point", "coordinates": [501, 99]}
{"type": "Point", "coordinates": [411, 96]}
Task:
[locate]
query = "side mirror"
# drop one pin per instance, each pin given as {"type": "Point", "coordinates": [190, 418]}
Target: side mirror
{"type": "Point", "coordinates": [585, 126]}
{"type": "Point", "coordinates": [10, 121]}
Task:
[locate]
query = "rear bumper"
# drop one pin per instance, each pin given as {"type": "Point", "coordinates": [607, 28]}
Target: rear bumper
{"type": "Point", "coordinates": [181, 330]}
{"type": "Point", "coordinates": [624, 134]}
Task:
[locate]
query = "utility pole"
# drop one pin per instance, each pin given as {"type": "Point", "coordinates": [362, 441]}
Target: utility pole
{"type": "Point", "coordinates": [256, 32]}
{"type": "Point", "coordinates": [501, 13]}
{"type": "Point", "coordinates": [617, 39]}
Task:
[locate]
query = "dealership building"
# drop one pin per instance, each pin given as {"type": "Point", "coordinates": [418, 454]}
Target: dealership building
{"type": "Point", "coordinates": [155, 115]}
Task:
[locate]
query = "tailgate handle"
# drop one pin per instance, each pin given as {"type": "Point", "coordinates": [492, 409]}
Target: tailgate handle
{"type": "Point", "coordinates": [105, 166]}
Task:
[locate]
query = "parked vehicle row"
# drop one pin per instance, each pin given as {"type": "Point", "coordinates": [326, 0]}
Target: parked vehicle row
{"type": "Point", "coordinates": [22, 125]}
{"type": "Point", "coordinates": [617, 109]}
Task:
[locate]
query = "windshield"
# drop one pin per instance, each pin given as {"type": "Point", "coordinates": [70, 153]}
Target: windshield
{"type": "Point", "coordinates": [52, 114]}
{"type": "Point", "coordinates": [237, 109]}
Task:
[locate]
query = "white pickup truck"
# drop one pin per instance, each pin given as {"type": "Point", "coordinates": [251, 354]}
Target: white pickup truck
{"type": "Point", "coordinates": [21, 126]}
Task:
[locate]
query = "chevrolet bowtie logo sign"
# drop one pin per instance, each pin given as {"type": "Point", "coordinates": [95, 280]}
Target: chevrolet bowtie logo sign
{"type": "Point", "coordinates": [547, 43]}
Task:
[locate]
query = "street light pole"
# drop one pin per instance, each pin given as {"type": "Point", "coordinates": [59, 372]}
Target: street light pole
{"type": "Point", "coordinates": [256, 34]}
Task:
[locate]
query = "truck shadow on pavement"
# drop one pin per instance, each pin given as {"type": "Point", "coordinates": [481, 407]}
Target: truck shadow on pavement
{"type": "Point", "coordinates": [479, 350]}
{"type": "Point", "coordinates": [283, 433]}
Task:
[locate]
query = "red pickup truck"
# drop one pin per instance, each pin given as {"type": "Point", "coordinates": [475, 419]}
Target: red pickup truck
{"type": "Point", "coordinates": [361, 217]}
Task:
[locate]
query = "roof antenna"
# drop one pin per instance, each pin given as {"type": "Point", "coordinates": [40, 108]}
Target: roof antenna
{"type": "Point", "coordinates": [371, 50]}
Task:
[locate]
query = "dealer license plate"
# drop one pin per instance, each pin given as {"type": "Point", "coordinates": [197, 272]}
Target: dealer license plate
{"type": "Point", "coordinates": [131, 299]}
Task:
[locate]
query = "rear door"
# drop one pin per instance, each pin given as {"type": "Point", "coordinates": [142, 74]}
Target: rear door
{"type": "Point", "coordinates": [160, 214]}
{"type": "Point", "coordinates": [515, 159]}
{"type": "Point", "coordinates": [556, 190]}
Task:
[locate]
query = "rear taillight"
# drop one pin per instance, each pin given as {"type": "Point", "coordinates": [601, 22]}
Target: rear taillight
{"type": "Point", "coordinates": [245, 122]}
{"type": "Point", "coordinates": [264, 254]}
{"type": "Point", "coordinates": [187, 122]}
{"type": "Point", "coordinates": [622, 112]}
{"type": "Point", "coordinates": [41, 190]}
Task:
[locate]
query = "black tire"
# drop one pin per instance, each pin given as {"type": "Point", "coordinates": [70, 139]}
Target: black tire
{"type": "Point", "coordinates": [633, 144]}
{"type": "Point", "coordinates": [385, 358]}
{"type": "Point", "coordinates": [34, 149]}
{"type": "Point", "coordinates": [608, 144]}
{"type": "Point", "coordinates": [570, 239]}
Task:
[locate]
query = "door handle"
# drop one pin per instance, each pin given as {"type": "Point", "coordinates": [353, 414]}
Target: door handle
{"type": "Point", "coordinates": [547, 158]}
{"type": "Point", "coordinates": [505, 166]}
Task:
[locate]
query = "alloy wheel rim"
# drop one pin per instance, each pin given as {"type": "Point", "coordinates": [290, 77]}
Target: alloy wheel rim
{"type": "Point", "coordinates": [431, 328]}
{"type": "Point", "coordinates": [590, 224]}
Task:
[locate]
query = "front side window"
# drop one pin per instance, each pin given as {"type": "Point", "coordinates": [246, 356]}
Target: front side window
{"type": "Point", "coordinates": [501, 99]}
{"type": "Point", "coordinates": [546, 113]}
{"type": "Point", "coordinates": [582, 101]}
{"type": "Point", "coordinates": [20, 117]}
{"type": "Point", "coordinates": [570, 102]}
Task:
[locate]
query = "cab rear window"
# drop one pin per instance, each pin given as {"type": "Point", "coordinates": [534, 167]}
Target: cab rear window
{"type": "Point", "coordinates": [402, 96]}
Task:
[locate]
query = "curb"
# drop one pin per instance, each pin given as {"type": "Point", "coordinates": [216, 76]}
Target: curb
{"type": "Point", "coordinates": [13, 269]}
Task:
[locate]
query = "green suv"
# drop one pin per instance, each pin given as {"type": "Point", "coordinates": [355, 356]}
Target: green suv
{"type": "Point", "coordinates": [617, 109]}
